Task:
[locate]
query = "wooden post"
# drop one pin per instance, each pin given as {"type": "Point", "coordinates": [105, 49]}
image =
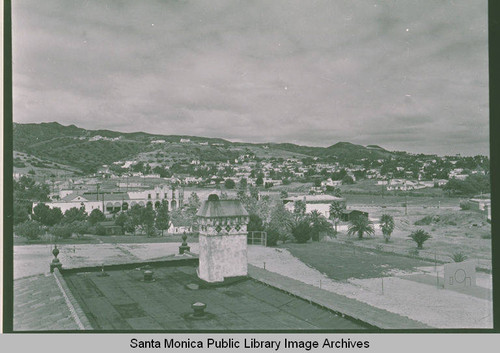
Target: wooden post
{"type": "Point", "coordinates": [382, 285]}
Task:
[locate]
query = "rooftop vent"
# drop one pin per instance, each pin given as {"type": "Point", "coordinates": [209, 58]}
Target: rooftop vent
{"type": "Point", "coordinates": [148, 276]}
{"type": "Point", "coordinates": [199, 309]}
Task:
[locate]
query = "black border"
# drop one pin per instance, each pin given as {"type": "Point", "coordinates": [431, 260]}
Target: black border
{"type": "Point", "coordinates": [494, 94]}
{"type": "Point", "coordinates": [8, 202]}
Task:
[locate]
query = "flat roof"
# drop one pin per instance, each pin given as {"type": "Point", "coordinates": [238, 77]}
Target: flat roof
{"type": "Point", "coordinates": [123, 301]}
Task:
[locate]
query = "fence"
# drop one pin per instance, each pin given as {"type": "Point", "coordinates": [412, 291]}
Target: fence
{"type": "Point", "coordinates": [257, 238]}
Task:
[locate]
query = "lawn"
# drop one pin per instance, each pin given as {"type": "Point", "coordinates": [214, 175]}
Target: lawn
{"type": "Point", "coordinates": [340, 261]}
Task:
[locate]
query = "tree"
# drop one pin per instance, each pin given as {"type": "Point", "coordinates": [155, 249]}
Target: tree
{"type": "Point", "coordinates": [122, 220]}
{"type": "Point", "coordinates": [255, 224]}
{"type": "Point", "coordinates": [229, 183]}
{"type": "Point", "coordinates": [243, 183]}
{"type": "Point", "coordinates": [299, 209]}
{"type": "Point", "coordinates": [96, 216]}
{"type": "Point", "coordinates": [29, 229]}
{"type": "Point", "coordinates": [162, 216]}
{"type": "Point", "coordinates": [75, 214]}
{"type": "Point", "coordinates": [79, 227]}
{"type": "Point", "coordinates": [46, 215]}
{"type": "Point", "coordinates": [62, 231]}
{"type": "Point", "coordinates": [148, 219]}
{"type": "Point", "coordinates": [336, 210]}
{"type": "Point", "coordinates": [419, 236]}
{"type": "Point", "coordinates": [279, 225]}
{"type": "Point", "coordinates": [302, 231]}
{"type": "Point", "coordinates": [259, 181]}
{"type": "Point", "coordinates": [319, 224]}
{"type": "Point", "coordinates": [360, 225]}
{"type": "Point", "coordinates": [20, 213]}
{"type": "Point", "coordinates": [134, 218]}
{"type": "Point", "coordinates": [387, 225]}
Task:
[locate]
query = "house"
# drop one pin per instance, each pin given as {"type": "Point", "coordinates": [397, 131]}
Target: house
{"type": "Point", "coordinates": [179, 227]}
{"type": "Point", "coordinates": [320, 203]}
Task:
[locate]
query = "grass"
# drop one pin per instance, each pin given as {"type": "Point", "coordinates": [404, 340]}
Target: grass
{"type": "Point", "coordinates": [340, 262]}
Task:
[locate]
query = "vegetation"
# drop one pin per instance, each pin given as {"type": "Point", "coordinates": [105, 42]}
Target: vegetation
{"type": "Point", "coordinates": [465, 205]}
{"type": "Point", "coordinates": [336, 209]}
{"type": "Point", "coordinates": [96, 216]}
{"type": "Point", "coordinates": [387, 225]}
{"type": "Point", "coordinates": [458, 256]}
{"type": "Point", "coordinates": [302, 231]}
{"type": "Point", "coordinates": [319, 225]}
{"type": "Point", "coordinates": [361, 225]}
{"type": "Point", "coordinates": [474, 184]}
{"type": "Point", "coordinates": [29, 229]}
{"type": "Point", "coordinates": [46, 215]}
{"type": "Point", "coordinates": [162, 217]}
{"type": "Point", "coordinates": [420, 236]}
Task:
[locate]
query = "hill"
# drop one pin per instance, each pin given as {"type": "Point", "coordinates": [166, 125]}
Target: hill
{"type": "Point", "coordinates": [86, 150]}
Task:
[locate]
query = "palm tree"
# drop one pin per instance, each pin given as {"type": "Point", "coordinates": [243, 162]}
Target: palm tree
{"type": "Point", "coordinates": [419, 236]}
{"type": "Point", "coordinates": [360, 225]}
{"type": "Point", "coordinates": [387, 225]}
{"type": "Point", "coordinates": [319, 224]}
{"type": "Point", "coordinates": [336, 209]}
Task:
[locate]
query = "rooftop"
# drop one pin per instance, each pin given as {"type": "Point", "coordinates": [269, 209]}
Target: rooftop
{"type": "Point", "coordinates": [222, 208]}
{"type": "Point", "coordinates": [123, 301]}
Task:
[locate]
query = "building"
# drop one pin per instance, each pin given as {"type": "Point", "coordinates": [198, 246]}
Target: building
{"type": "Point", "coordinates": [114, 202]}
{"type": "Point", "coordinates": [350, 215]}
{"type": "Point", "coordinates": [320, 203]}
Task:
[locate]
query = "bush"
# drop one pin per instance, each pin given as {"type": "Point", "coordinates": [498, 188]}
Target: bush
{"type": "Point", "coordinates": [100, 230]}
{"type": "Point", "coordinates": [62, 231]}
{"type": "Point", "coordinates": [29, 229]}
{"type": "Point", "coordinates": [424, 221]}
{"type": "Point", "coordinates": [465, 205]}
{"type": "Point", "coordinates": [413, 252]}
{"type": "Point", "coordinates": [302, 232]}
{"type": "Point", "coordinates": [458, 256]}
{"type": "Point", "coordinates": [419, 236]}
{"type": "Point", "coordinates": [272, 237]}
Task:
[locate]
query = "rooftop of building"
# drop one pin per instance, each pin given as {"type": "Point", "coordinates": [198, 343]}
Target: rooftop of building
{"type": "Point", "coordinates": [124, 301]}
{"type": "Point", "coordinates": [314, 198]}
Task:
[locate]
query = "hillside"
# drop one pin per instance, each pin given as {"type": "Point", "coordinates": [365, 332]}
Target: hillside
{"type": "Point", "coordinates": [88, 149]}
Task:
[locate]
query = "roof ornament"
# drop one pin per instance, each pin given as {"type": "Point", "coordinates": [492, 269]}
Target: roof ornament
{"type": "Point", "coordinates": [55, 261]}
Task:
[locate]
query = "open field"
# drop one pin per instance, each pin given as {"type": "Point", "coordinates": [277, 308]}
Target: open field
{"type": "Point", "coordinates": [340, 261]}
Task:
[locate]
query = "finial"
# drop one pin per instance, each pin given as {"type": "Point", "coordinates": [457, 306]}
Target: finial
{"type": "Point", "coordinates": [184, 246]}
{"type": "Point", "coordinates": [55, 261]}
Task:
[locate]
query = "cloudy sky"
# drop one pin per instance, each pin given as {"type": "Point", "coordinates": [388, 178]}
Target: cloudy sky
{"type": "Point", "coordinates": [406, 75]}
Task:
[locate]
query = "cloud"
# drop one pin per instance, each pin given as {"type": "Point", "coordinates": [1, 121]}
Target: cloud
{"type": "Point", "coordinates": [313, 72]}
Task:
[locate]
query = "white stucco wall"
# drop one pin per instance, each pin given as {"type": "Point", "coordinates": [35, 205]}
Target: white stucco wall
{"type": "Point", "coordinates": [222, 256]}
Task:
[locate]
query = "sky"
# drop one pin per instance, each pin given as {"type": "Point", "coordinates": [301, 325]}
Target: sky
{"type": "Point", "coordinates": [405, 75]}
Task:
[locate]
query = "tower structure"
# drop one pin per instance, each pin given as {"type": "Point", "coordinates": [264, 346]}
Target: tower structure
{"type": "Point", "coordinates": [222, 239]}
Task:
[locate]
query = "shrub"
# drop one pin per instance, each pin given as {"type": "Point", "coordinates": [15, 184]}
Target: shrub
{"type": "Point", "coordinates": [272, 237]}
{"type": "Point", "coordinates": [424, 221]}
{"type": "Point", "coordinates": [29, 229]}
{"type": "Point", "coordinates": [302, 232]}
{"type": "Point", "coordinates": [458, 256]}
{"type": "Point", "coordinates": [465, 205]}
{"type": "Point", "coordinates": [419, 236]}
{"type": "Point", "coordinates": [62, 231]}
{"type": "Point", "coordinates": [100, 230]}
{"type": "Point", "coordinates": [413, 252]}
